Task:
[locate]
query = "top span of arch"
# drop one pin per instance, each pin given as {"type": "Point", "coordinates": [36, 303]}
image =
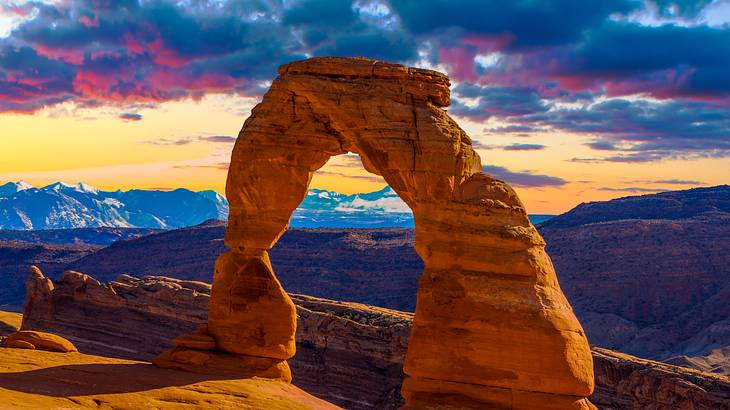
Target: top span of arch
{"type": "Point", "coordinates": [418, 81]}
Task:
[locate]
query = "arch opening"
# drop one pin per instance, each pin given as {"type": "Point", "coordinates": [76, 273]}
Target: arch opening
{"type": "Point", "coordinates": [358, 243]}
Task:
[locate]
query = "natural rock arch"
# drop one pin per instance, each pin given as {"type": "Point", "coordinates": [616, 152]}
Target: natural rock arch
{"type": "Point", "coordinates": [492, 327]}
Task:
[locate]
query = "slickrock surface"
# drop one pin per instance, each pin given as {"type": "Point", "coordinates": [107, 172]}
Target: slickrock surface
{"type": "Point", "coordinates": [43, 380]}
{"type": "Point", "coordinates": [9, 322]}
{"type": "Point", "coordinates": [347, 353]}
{"type": "Point", "coordinates": [492, 327]}
{"type": "Point", "coordinates": [138, 318]}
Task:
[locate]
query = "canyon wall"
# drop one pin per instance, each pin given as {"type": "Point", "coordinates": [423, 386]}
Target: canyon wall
{"type": "Point", "coordinates": [347, 353]}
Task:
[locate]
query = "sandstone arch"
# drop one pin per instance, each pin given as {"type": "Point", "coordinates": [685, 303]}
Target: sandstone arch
{"type": "Point", "coordinates": [492, 327]}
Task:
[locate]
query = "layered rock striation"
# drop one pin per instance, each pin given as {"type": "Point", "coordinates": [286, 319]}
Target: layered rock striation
{"type": "Point", "coordinates": [347, 353]}
{"type": "Point", "coordinates": [492, 327]}
{"type": "Point", "coordinates": [137, 318]}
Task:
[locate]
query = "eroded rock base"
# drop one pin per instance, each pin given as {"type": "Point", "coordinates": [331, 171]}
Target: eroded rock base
{"type": "Point", "coordinates": [429, 394]}
{"type": "Point", "coordinates": [224, 364]}
{"type": "Point", "coordinates": [196, 352]}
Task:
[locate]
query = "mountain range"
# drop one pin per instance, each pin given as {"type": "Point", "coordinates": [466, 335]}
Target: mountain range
{"type": "Point", "coordinates": [67, 206]}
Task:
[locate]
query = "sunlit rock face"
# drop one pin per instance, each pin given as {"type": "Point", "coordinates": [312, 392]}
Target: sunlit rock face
{"type": "Point", "coordinates": [492, 327]}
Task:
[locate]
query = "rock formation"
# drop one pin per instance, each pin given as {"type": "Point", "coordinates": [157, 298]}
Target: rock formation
{"type": "Point", "coordinates": [136, 318]}
{"type": "Point", "coordinates": [15, 257]}
{"type": "Point", "coordinates": [492, 327]}
{"type": "Point", "coordinates": [28, 339]}
{"type": "Point", "coordinates": [372, 266]}
{"type": "Point", "coordinates": [628, 382]}
{"type": "Point", "coordinates": [347, 353]}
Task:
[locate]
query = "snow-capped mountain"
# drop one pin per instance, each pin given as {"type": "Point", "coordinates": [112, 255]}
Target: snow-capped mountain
{"type": "Point", "coordinates": [61, 205]}
{"type": "Point", "coordinates": [329, 209]}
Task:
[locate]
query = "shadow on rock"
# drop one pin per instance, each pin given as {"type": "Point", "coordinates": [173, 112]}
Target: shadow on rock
{"type": "Point", "coordinates": [98, 378]}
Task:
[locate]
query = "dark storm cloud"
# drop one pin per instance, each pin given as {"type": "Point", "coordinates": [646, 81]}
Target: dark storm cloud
{"type": "Point", "coordinates": [518, 61]}
{"type": "Point", "coordinates": [320, 13]}
{"type": "Point", "coordinates": [28, 81]}
{"type": "Point", "coordinates": [665, 61]}
{"type": "Point", "coordinates": [525, 179]}
{"type": "Point", "coordinates": [526, 23]}
{"type": "Point", "coordinates": [644, 131]}
{"type": "Point", "coordinates": [98, 51]}
{"type": "Point", "coordinates": [496, 101]}
{"type": "Point", "coordinates": [683, 8]}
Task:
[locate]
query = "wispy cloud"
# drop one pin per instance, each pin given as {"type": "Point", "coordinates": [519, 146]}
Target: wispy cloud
{"type": "Point", "coordinates": [632, 189]}
{"type": "Point", "coordinates": [370, 178]}
{"type": "Point", "coordinates": [524, 178]}
{"type": "Point", "coordinates": [220, 165]}
{"type": "Point", "coordinates": [130, 116]}
{"type": "Point", "coordinates": [219, 139]}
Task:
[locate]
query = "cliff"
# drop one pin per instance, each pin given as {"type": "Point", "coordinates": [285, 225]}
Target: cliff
{"type": "Point", "coordinates": [347, 353]}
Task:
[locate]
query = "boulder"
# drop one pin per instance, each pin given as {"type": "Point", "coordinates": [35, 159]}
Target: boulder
{"type": "Point", "coordinates": [17, 344]}
{"type": "Point", "coordinates": [41, 341]}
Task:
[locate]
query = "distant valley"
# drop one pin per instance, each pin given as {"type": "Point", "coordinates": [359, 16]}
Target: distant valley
{"type": "Point", "coordinates": [647, 275]}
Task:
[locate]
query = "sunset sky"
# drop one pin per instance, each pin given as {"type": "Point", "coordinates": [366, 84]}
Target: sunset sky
{"type": "Point", "coordinates": [568, 100]}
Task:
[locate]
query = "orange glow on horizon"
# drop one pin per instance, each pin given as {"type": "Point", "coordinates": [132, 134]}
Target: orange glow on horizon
{"type": "Point", "coordinates": [167, 149]}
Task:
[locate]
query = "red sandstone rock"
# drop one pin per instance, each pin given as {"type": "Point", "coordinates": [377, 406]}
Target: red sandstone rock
{"type": "Point", "coordinates": [224, 364]}
{"type": "Point", "coordinates": [17, 344]}
{"type": "Point", "coordinates": [199, 340]}
{"type": "Point", "coordinates": [490, 314]}
{"type": "Point", "coordinates": [42, 341]}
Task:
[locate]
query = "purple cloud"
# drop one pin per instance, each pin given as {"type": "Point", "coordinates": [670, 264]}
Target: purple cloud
{"type": "Point", "coordinates": [524, 179]}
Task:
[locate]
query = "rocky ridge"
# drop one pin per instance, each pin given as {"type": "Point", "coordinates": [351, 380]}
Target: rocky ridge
{"type": "Point", "coordinates": [337, 343]}
{"type": "Point", "coordinates": [648, 275]}
{"type": "Point", "coordinates": [15, 257]}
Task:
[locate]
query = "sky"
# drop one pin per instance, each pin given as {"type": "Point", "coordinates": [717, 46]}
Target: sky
{"type": "Point", "coordinates": [569, 101]}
